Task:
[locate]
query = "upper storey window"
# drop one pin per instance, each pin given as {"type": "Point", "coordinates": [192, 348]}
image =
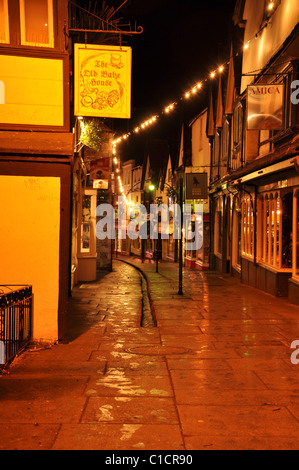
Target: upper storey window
{"type": "Point", "coordinates": [4, 23]}
{"type": "Point", "coordinates": [27, 23]}
{"type": "Point", "coordinates": [36, 19]}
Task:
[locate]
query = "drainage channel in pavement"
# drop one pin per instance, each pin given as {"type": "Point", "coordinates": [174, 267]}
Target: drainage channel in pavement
{"type": "Point", "coordinates": [147, 316]}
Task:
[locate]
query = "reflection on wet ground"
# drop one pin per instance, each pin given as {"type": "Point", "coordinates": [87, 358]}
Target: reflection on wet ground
{"type": "Point", "coordinates": [214, 374]}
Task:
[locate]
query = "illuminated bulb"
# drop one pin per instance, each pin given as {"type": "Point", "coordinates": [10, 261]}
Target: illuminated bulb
{"type": "Point", "coordinates": [193, 90]}
{"type": "Point", "coordinates": [221, 68]}
{"type": "Point", "coordinates": [271, 6]}
{"type": "Point", "coordinates": [143, 126]}
{"type": "Point", "coordinates": [154, 118]}
{"type": "Point", "coordinates": [115, 161]}
{"type": "Point", "coordinates": [117, 170]}
{"type": "Point", "coordinates": [199, 85]}
{"type": "Point", "coordinates": [246, 46]}
{"type": "Point", "coordinates": [137, 129]}
{"type": "Point", "coordinates": [213, 74]}
{"type": "Point", "coordinates": [187, 95]}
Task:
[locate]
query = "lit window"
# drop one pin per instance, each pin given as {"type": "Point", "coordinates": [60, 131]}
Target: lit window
{"type": "Point", "coordinates": [36, 18]}
{"type": "Point", "coordinates": [218, 227]}
{"type": "Point", "coordinates": [236, 234]}
{"type": "Point", "coordinates": [4, 23]}
{"type": "Point", "coordinates": [247, 227]}
{"type": "Point", "coordinates": [296, 237]}
{"type": "Point", "coordinates": [274, 230]}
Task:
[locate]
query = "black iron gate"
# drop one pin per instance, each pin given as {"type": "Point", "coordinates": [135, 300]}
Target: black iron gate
{"type": "Point", "coordinates": [15, 320]}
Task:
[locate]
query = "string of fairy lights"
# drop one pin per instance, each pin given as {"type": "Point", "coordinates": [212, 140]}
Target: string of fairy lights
{"type": "Point", "coordinates": [172, 106]}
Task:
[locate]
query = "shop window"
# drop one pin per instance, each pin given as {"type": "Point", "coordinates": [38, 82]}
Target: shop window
{"type": "Point", "coordinates": [247, 241]}
{"type": "Point", "coordinates": [287, 229]}
{"type": "Point", "coordinates": [218, 227]}
{"type": "Point", "coordinates": [296, 235]}
{"type": "Point", "coordinates": [36, 20]}
{"type": "Point", "coordinates": [86, 224]}
{"type": "Point", "coordinates": [4, 22]}
{"type": "Point", "coordinates": [236, 234]}
{"type": "Point", "coordinates": [274, 230]}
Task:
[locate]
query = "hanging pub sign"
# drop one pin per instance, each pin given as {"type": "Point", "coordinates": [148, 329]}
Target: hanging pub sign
{"type": "Point", "coordinates": [196, 185]}
{"type": "Point", "coordinates": [103, 81]}
{"type": "Point", "coordinates": [265, 107]}
{"type": "Point", "coordinates": [99, 172]}
{"type": "Point", "coordinates": [100, 184]}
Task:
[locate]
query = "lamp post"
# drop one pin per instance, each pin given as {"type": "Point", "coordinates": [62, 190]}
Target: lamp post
{"type": "Point", "coordinates": [181, 189]}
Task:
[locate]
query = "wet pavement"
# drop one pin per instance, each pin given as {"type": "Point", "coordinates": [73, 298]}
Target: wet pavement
{"type": "Point", "coordinates": [214, 373]}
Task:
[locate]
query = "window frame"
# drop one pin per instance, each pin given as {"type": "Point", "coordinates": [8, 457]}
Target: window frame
{"type": "Point", "coordinates": [50, 26]}
{"type": "Point", "coordinates": [236, 234]}
{"type": "Point", "coordinates": [295, 274]}
{"type": "Point", "coordinates": [267, 243]}
{"type": "Point", "coordinates": [6, 23]}
{"type": "Point", "coordinates": [247, 227]}
{"type": "Point", "coordinates": [218, 227]}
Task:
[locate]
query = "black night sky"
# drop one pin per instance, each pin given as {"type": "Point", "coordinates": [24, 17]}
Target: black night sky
{"type": "Point", "coordinates": [182, 41]}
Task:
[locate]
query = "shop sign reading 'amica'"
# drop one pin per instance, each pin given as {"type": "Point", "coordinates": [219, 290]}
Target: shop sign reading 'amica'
{"type": "Point", "coordinates": [103, 81]}
{"type": "Point", "coordinates": [265, 107]}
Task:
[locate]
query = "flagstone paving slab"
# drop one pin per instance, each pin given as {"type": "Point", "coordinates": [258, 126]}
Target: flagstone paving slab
{"type": "Point", "coordinates": [267, 421]}
{"type": "Point", "coordinates": [123, 384]}
{"type": "Point", "coordinates": [28, 436]}
{"type": "Point", "coordinates": [119, 437]}
{"type": "Point", "coordinates": [136, 410]}
{"type": "Point", "coordinates": [194, 380]}
{"type": "Point", "coordinates": [235, 443]}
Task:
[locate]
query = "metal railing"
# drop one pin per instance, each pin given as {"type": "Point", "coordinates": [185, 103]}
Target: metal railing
{"type": "Point", "coordinates": [16, 304]}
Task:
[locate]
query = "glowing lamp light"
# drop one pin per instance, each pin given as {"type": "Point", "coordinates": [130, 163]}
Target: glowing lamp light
{"type": "Point", "coordinates": [221, 69]}
{"type": "Point", "coordinates": [151, 187]}
{"type": "Point", "coordinates": [213, 74]}
{"type": "Point", "coordinates": [187, 95]}
{"type": "Point", "coordinates": [271, 6]}
{"type": "Point", "coordinates": [246, 46]}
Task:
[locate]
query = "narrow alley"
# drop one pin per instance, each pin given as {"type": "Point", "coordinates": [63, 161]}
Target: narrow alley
{"type": "Point", "coordinates": [214, 373]}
